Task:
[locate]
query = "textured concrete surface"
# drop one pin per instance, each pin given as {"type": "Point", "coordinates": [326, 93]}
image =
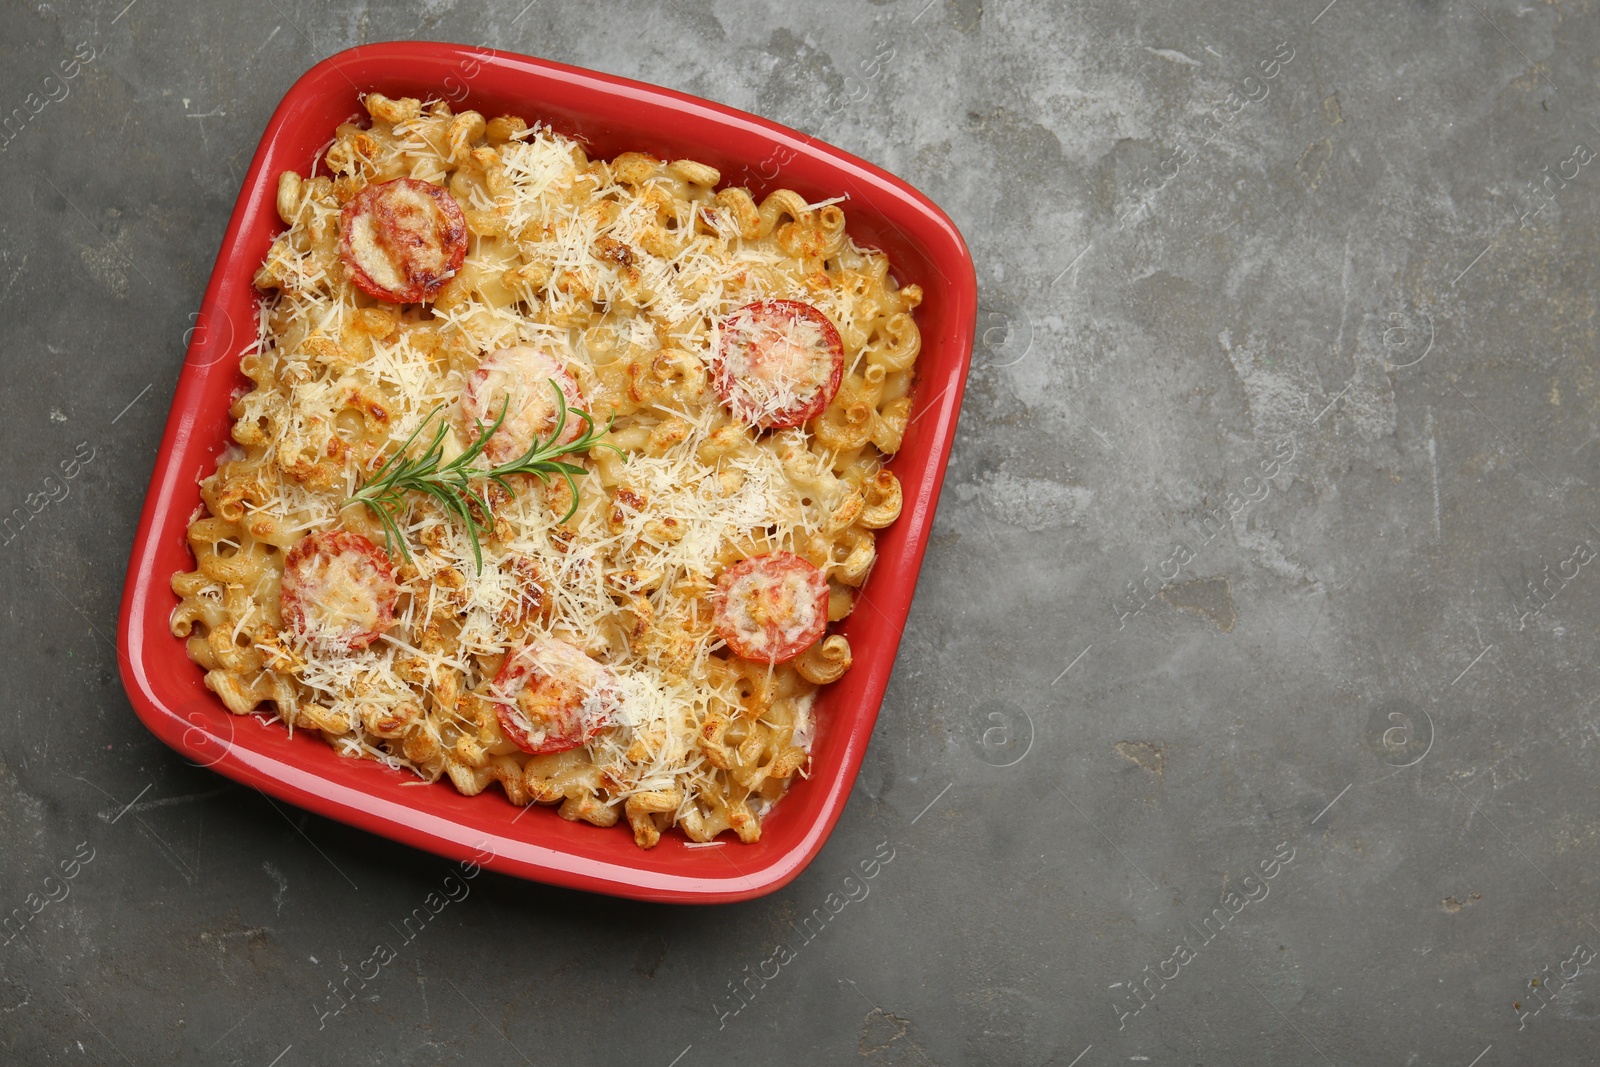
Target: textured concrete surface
{"type": "Point", "coordinates": [1286, 392]}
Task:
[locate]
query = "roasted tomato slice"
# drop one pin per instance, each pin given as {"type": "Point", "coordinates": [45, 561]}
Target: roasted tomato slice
{"type": "Point", "coordinates": [402, 240]}
{"type": "Point", "coordinates": [777, 363]}
{"type": "Point", "coordinates": [518, 379]}
{"type": "Point", "coordinates": [338, 590]}
{"type": "Point", "coordinates": [551, 696]}
{"type": "Point", "coordinates": [771, 608]}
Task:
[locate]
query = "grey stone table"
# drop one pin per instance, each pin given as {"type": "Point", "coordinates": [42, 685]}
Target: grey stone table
{"type": "Point", "coordinates": [1247, 712]}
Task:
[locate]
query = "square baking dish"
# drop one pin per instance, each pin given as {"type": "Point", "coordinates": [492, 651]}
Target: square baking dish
{"type": "Point", "coordinates": [611, 115]}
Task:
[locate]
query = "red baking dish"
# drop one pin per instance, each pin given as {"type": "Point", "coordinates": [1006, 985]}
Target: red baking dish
{"type": "Point", "coordinates": [611, 115]}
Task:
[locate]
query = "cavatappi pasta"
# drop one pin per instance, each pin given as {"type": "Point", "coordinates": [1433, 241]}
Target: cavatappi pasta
{"type": "Point", "coordinates": [627, 278]}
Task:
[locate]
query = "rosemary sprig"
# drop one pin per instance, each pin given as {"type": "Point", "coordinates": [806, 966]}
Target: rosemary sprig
{"type": "Point", "coordinates": [451, 484]}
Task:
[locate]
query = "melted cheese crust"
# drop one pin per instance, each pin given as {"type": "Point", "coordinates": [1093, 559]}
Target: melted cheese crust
{"type": "Point", "coordinates": [786, 602]}
{"type": "Point", "coordinates": [516, 381]}
{"type": "Point", "coordinates": [372, 256]}
{"type": "Point", "coordinates": [624, 270]}
{"type": "Point", "coordinates": [339, 595]}
{"type": "Point", "coordinates": [773, 368]}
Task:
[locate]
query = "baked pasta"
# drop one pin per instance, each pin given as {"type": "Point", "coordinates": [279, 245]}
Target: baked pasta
{"type": "Point", "coordinates": [553, 471]}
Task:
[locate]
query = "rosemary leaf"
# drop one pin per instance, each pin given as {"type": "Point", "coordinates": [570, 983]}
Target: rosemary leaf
{"type": "Point", "coordinates": [450, 484]}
